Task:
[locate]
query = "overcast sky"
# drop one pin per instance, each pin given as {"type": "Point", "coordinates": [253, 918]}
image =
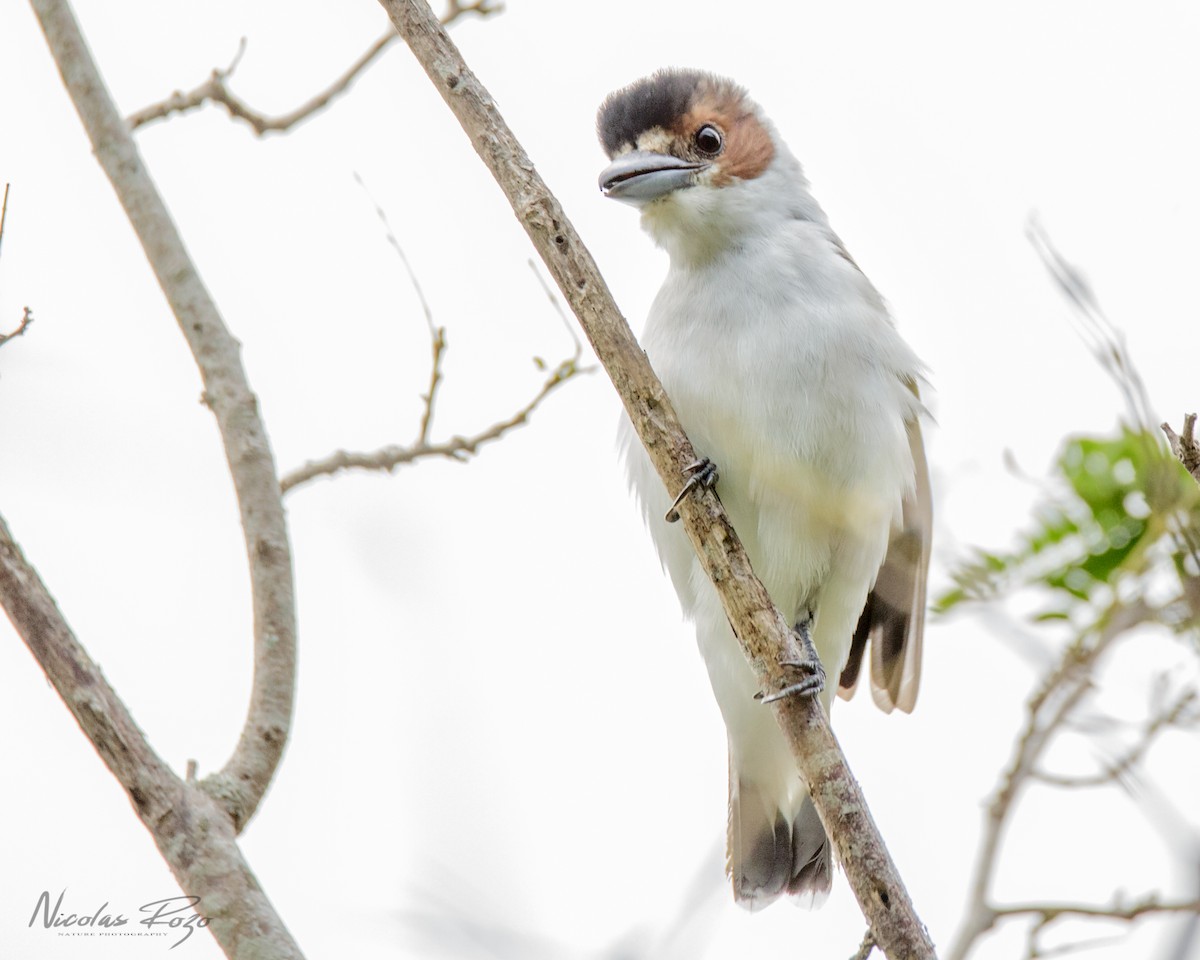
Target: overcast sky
{"type": "Point", "coordinates": [501, 719]}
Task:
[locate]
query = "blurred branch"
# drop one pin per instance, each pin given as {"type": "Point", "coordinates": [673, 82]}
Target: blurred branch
{"type": "Point", "coordinates": [1174, 714]}
{"type": "Point", "coordinates": [1046, 713]}
{"type": "Point", "coordinates": [4, 213]}
{"type": "Point", "coordinates": [1106, 342]}
{"type": "Point", "coordinates": [1047, 913]}
{"type": "Point", "coordinates": [26, 320]}
{"type": "Point", "coordinates": [216, 88]}
{"type": "Point", "coordinates": [194, 826]}
{"type": "Point", "coordinates": [765, 636]}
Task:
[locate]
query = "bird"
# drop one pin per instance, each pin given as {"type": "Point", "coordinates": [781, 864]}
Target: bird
{"type": "Point", "coordinates": [787, 372]}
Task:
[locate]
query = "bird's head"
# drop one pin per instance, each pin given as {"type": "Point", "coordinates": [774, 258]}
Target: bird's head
{"type": "Point", "coordinates": [697, 156]}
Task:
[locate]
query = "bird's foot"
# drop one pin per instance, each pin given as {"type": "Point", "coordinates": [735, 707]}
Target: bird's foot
{"type": "Point", "coordinates": [805, 677]}
{"type": "Point", "coordinates": [702, 473]}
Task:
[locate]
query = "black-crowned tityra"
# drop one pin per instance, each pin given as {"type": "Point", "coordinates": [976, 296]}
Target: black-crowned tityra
{"type": "Point", "coordinates": [786, 370]}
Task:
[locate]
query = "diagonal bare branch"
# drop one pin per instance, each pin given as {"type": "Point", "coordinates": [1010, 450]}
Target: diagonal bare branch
{"type": "Point", "coordinates": [764, 634]}
{"type": "Point", "coordinates": [216, 88]}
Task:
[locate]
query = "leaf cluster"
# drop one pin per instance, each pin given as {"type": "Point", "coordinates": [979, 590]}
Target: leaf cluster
{"type": "Point", "coordinates": [1123, 508]}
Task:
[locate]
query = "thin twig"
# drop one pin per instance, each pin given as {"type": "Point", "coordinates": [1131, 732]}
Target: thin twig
{"type": "Point", "coordinates": [437, 335]}
{"type": "Point", "coordinates": [216, 89]}
{"type": "Point", "coordinates": [26, 320]}
{"type": "Point", "coordinates": [387, 459]}
{"type": "Point", "coordinates": [764, 634]}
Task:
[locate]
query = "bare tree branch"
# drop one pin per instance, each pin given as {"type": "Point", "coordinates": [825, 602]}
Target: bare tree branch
{"type": "Point", "coordinates": [764, 634]}
{"type": "Point", "coordinates": [26, 320]}
{"type": "Point", "coordinates": [194, 834]}
{"type": "Point", "coordinates": [241, 783]}
{"type": "Point", "coordinates": [216, 89]}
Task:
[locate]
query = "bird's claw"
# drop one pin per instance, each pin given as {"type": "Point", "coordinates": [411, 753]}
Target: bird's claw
{"type": "Point", "coordinates": [702, 473]}
{"type": "Point", "coordinates": [809, 671]}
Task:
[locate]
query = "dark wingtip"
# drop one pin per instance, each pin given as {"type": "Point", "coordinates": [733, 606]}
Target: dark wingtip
{"type": "Point", "coordinates": [654, 101]}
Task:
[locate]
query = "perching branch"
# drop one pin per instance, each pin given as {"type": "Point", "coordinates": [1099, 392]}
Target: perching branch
{"type": "Point", "coordinates": [764, 634]}
{"type": "Point", "coordinates": [216, 88]}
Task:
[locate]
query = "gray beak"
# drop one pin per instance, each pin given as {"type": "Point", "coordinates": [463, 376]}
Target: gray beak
{"type": "Point", "coordinates": [642, 176]}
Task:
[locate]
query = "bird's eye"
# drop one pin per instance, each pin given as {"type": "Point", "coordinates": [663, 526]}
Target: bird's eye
{"type": "Point", "coordinates": [708, 140]}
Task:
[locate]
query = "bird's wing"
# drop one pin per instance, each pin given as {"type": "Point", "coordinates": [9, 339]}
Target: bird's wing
{"type": "Point", "coordinates": [894, 616]}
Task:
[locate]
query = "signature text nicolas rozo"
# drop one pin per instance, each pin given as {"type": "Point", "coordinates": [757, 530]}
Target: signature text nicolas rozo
{"type": "Point", "coordinates": [162, 917]}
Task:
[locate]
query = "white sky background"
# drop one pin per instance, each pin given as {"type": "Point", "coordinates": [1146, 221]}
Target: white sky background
{"type": "Point", "coordinates": [500, 717]}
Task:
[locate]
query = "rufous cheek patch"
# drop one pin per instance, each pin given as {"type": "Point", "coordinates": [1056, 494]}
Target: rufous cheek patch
{"type": "Point", "coordinates": [748, 147]}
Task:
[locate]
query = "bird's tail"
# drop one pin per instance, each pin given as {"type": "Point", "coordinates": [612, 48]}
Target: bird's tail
{"type": "Point", "coordinates": [770, 855]}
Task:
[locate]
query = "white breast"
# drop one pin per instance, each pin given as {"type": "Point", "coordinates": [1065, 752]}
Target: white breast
{"type": "Point", "coordinates": [785, 370]}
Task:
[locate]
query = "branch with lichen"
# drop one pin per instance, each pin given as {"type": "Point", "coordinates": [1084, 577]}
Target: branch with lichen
{"type": "Point", "coordinates": [216, 88]}
{"type": "Point", "coordinates": [764, 634]}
